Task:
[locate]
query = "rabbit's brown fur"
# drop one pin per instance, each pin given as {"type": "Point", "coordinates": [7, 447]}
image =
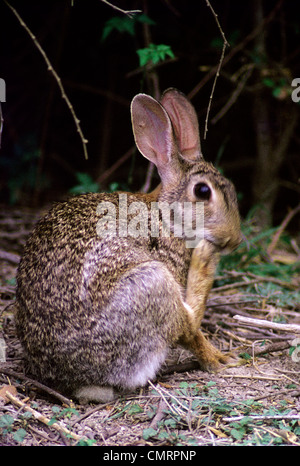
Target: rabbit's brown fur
{"type": "Point", "coordinates": [98, 314]}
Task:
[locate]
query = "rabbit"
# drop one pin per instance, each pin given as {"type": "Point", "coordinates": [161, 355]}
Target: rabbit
{"type": "Point", "coordinates": [98, 309]}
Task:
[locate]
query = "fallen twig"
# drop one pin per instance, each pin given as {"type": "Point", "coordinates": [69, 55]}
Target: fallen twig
{"type": "Point", "coordinates": [37, 384]}
{"type": "Point", "coordinates": [254, 279]}
{"type": "Point", "coordinates": [292, 328]}
{"type": "Point", "coordinates": [272, 348]}
{"type": "Point", "coordinates": [185, 367]}
{"type": "Point", "coordinates": [231, 286]}
{"type": "Point", "coordinates": [10, 257]}
{"type": "Point", "coordinates": [40, 417]}
{"type": "Point", "coordinates": [254, 417]}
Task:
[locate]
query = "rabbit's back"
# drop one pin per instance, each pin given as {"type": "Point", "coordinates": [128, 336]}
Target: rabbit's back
{"type": "Point", "coordinates": [82, 298]}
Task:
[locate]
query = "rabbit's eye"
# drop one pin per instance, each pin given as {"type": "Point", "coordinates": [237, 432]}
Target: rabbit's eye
{"type": "Point", "coordinates": [202, 191]}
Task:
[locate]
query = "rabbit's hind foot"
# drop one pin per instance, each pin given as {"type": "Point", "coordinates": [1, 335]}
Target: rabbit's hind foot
{"type": "Point", "coordinates": [96, 394]}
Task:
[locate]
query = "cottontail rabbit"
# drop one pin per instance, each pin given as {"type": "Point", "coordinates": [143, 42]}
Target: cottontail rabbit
{"type": "Point", "coordinates": [100, 297]}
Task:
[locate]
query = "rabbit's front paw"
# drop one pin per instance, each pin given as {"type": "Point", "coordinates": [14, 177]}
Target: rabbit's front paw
{"type": "Point", "coordinates": [213, 360]}
{"type": "Point", "coordinates": [205, 252]}
{"type": "Point", "coordinates": [209, 357]}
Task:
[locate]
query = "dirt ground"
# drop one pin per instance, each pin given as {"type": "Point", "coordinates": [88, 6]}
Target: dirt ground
{"type": "Point", "coordinates": [254, 403]}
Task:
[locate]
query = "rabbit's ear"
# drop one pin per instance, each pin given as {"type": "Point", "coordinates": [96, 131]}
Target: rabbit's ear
{"type": "Point", "coordinates": [185, 123]}
{"type": "Point", "coordinates": [153, 132]}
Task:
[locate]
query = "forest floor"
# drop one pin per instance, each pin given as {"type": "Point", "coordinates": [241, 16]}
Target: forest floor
{"type": "Point", "coordinates": [254, 403]}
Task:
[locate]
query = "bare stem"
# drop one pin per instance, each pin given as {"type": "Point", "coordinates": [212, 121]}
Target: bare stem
{"type": "Point", "coordinates": [129, 13]}
{"type": "Point", "coordinates": [55, 75]}
{"type": "Point", "coordinates": [225, 44]}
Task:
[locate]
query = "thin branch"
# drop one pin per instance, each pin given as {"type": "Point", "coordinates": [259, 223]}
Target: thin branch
{"type": "Point", "coordinates": [225, 44]}
{"type": "Point", "coordinates": [236, 285]}
{"type": "Point", "coordinates": [217, 21]}
{"type": "Point", "coordinates": [116, 165]}
{"type": "Point", "coordinates": [272, 348]}
{"type": "Point", "coordinates": [154, 87]}
{"type": "Point", "coordinates": [150, 171]}
{"type": "Point", "coordinates": [256, 279]}
{"type": "Point", "coordinates": [262, 417]}
{"type": "Point", "coordinates": [292, 328]}
{"type": "Point", "coordinates": [55, 75]}
{"type": "Point", "coordinates": [236, 49]}
{"type": "Point", "coordinates": [233, 98]}
{"type": "Point", "coordinates": [129, 13]}
{"type": "Point", "coordinates": [40, 417]}
{"type": "Point", "coordinates": [10, 257]}
{"type": "Point", "coordinates": [150, 67]}
{"type": "Point", "coordinates": [282, 227]}
{"type": "Point", "coordinates": [40, 386]}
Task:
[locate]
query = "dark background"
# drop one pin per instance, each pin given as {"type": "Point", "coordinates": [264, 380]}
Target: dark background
{"type": "Point", "coordinates": [41, 150]}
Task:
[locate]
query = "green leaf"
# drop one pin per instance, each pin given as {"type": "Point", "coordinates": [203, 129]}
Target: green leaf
{"type": "Point", "coordinates": [244, 421]}
{"type": "Point", "coordinates": [170, 423]}
{"type": "Point", "coordinates": [135, 409]}
{"type": "Point", "coordinates": [86, 184]}
{"type": "Point", "coordinates": [144, 19]}
{"type": "Point", "coordinates": [19, 435]}
{"type": "Point", "coordinates": [268, 82]}
{"type": "Point", "coordinates": [245, 356]}
{"type": "Point", "coordinates": [124, 24]}
{"type": "Point", "coordinates": [68, 412]}
{"type": "Point", "coordinates": [86, 442]}
{"type": "Point", "coordinates": [148, 433]}
{"type": "Point", "coordinates": [238, 434]}
{"type": "Point", "coordinates": [154, 54]}
{"type": "Point", "coordinates": [210, 384]}
{"type": "Point", "coordinates": [163, 435]}
{"type": "Point", "coordinates": [52, 421]}
{"type": "Point", "coordinates": [55, 409]}
{"type": "Point", "coordinates": [6, 421]}
{"type": "Point", "coordinates": [120, 24]}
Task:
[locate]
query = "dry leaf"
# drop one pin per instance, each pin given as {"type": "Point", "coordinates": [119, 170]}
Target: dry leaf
{"type": "Point", "coordinates": [165, 385]}
{"type": "Point", "coordinates": [7, 388]}
{"type": "Point", "coordinates": [217, 432]}
{"type": "Point", "coordinates": [289, 436]}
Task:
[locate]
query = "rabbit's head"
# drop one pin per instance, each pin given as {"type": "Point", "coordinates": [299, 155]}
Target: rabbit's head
{"type": "Point", "coordinates": [167, 134]}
